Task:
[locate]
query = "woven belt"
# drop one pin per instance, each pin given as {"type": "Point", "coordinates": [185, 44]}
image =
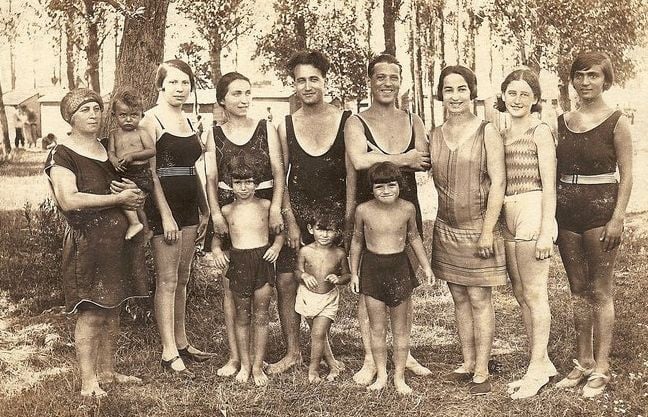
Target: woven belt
{"type": "Point", "coordinates": [175, 171]}
{"type": "Point", "coordinates": [261, 186]}
{"type": "Point", "coordinates": [608, 178]}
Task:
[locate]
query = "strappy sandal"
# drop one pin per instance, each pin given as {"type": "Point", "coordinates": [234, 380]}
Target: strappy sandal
{"type": "Point", "coordinates": [575, 376]}
{"type": "Point", "coordinates": [596, 384]}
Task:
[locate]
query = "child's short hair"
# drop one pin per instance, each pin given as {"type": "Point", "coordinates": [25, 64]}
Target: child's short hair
{"type": "Point", "coordinates": [242, 169]}
{"type": "Point", "coordinates": [128, 96]}
{"type": "Point", "coordinates": [383, 173]}
{"type": "Point", "coordinates": [325, 219]}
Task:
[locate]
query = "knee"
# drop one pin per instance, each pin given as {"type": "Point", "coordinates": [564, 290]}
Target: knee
{"type": "Point", "coordinates": [318, 334]}
{"type": "Point", "coordinates": [166, 283]}
{"type": "Point", "coordinates": [286, 284]}
{"type": "Point", "coordinates": [242, 318]}
{"type": "Point", "coordinates": [535, 298]}
{"type": "Point", "coordinates": [601, 297]}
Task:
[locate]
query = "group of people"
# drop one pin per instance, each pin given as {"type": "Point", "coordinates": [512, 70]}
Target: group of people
{"type": "Point", "coordinates": [26, 127]}
{"type": "Point", "coordinates": [331, 198]}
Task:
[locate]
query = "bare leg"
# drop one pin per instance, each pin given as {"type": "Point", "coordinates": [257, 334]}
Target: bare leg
{"type": "Point", "coordinates": [319, 336]}
{"type": "Point", "coordinates": [229, 310]}
{"type": "Point", "coordinates": [483, 329]}
{"type": "Point", "coordinates": [242, 320]}
{"type": "Point", "coordinates": [465, 325]}
{"type": "Point", "coordinates": [518, 292]}
{"type": "Point", "coordinates": [106, 359]}
{"type": "Point", "coordinates": [412, 364]}
{"type": "Point", "coordinates": [261, 319]}
{"type": "Point", "coordinates": [134, 225]}
{"type": "Point", "coordinates": [87, 335]}
{"type": "Point", "coordinates": [378, 321]}
{"type": "Point", "coordinates": [400, 324]}
{"type": "Point", "coordinates": [366, 374]}
{"type": "Point", "coordinates": [286, 293]}
{"type": "Point", "coordinates": [167, 260]}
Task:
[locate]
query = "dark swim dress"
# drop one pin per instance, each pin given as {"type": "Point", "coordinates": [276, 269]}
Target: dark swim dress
{"type": "Point", "coordinates": [409, 191]}
{"type": "Point", "coordinates": [315, 182]}
{"type": "Point", "coordinates": [582, 207]}
{"type": "Point", "coordinates": [175, 158]}
{"type": "Point", "coordinates": [255, 151]}
{"type": "Point", "coordinates": [96, 265]}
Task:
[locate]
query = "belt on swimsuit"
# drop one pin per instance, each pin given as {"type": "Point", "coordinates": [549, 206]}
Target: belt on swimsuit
{"type": "Point", "coordinates": [261, 186]}
{"type": "Point", "coordinates": [175, 171]}
{"type": "Point", "coordinates": [608, 178]}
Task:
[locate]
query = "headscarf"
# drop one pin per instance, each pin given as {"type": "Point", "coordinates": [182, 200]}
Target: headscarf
{"type": "Point", "coordinates": [77, 98]}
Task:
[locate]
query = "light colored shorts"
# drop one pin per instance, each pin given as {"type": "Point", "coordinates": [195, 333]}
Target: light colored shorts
{"type": "Point", "coordinates": [523, 215]}
{"type": "Point", "coordinates": [311, 304]}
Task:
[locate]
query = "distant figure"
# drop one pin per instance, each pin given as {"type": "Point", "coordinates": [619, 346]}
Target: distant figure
{"type": "Point", "coordinates": [18, 122]}
{"type": "Point", "coordinates": [49, 141]}
{"type": "Point", "coordinates": [269, 116]}
{"type": "Point", "coordinates": [199, 127]}
{"type": "Point", "coordinates": [31, 126]}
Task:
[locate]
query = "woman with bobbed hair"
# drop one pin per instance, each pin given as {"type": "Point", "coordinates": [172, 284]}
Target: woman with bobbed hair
{"type": "Point", "coordinates": [594, 142]}
{"type": "Point", "coordinates": [468, 250]}
{"type": "Point", "coordinates": [96, 270]}
{"type": "Point", "coordinates": [257, 140]}
{"type": "Point", "coordinates": [178, 214]}
{"type": "Point", "coordinates": [530, 224]}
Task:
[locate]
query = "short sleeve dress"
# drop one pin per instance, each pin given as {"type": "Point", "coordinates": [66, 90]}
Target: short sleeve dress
{"type": "Point", "coordinates": [96, 266]}
{"type": "Point", "coordinates": [462, 182]}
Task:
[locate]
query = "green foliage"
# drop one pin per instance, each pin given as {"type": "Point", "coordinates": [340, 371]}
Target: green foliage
{"type": "Point", "coordinates": [334, 29]}
{"type": "Point", "coordinates": [191, 52]}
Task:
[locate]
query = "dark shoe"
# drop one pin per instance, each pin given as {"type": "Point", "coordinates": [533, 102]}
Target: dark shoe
{"type": "Point", "coordinates": [458, 377]}
{"type": "Point", "coordinates": [480, 388]}
{"type": "Point", "coordinates": [166, 366]}
{"type": "Point", "coordinates": [194, 357]}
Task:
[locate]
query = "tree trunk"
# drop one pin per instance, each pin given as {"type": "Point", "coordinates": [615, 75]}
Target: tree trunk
{"type": "Point", "coordinates": [390, 14]}
{"type": "Point", "coordinates": [69, 53]}
{"type": "Point", "coordinates": [92, 48]}
{"type": "Point", "coordinates": [300, 33]}
{"type": "Point", "coordinates": [215, 61]}
{"type": "Point", "coordinates": [140, 53]}
{"type": "Point", "coordinates": [368, 11]}
{"type": "Point", "coordinates": [6, 143]}
{"type": "Point", "coordinates": [441, 20]}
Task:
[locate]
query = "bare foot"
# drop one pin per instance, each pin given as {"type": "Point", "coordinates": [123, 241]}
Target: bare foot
{"type": "Point", "coordinates": [529, 387]}
{"type": "Point", "coordinates": [334, 373]}
{"type": "Point", "coordinates": [401, 386]}
{"type": "Point", "coordinates": [313, 376]}
{"type": "Point", "coordinates": [379, 384]}
{"type": "Point", "coordinates": [414, 366]}
{"type": "Point", "coordinates": [229, 369]}
{"type": "Point", "coordinates": [284, 364]}
{"type": "Point", "coordinates": [133, 230]}
{"type": "Point", "coordinates": [93, 390]}
{"type": "Point", "coordinates": [117, 378]}
{"type": "Point", "coordinates": [514, 385]}
{"type": "Point", "coordinates": [366, 374]}
{"type": "Point", "coordinates": [243, 375]}
{"type": "Point", "coordinates": [260, 378]}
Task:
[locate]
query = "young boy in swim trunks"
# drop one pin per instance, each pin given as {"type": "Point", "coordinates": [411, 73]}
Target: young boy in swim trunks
{"type": "Point", "coordinates": [251, 271]}
{"type": "Point", "coordinates": [385, 277]}
{"type": "Point", "coordinates": [321, 267]}
{"type": "Point", "coordinates": [129, 150]}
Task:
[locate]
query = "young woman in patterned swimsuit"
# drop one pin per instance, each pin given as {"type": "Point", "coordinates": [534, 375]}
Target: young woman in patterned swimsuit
{"type": "Point", "coordinates": [593, 142]}
{"type": "Point", "coordinates": [258, 142]}
{"type": "Point", "coordinates": [179, 212]}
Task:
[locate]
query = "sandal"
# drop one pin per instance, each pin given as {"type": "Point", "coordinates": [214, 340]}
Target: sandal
{"type": "Point", "coordinates": [575, 376]}
{"type": "Point", "coordinates": [595, 385]}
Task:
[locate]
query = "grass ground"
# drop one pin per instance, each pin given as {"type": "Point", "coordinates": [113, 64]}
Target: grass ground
{"type": "Point", "coordinates": [37, 361]}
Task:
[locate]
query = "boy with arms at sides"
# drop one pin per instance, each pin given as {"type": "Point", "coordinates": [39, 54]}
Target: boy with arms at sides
{"type": "Point", "coordinates": [251, 271]}
{"type": "Point", "coordinates": [321, 267]}
{"type": "Point", "coordinates": [130, 148]}
{"type": "Point", "coordinates": [385, 278]}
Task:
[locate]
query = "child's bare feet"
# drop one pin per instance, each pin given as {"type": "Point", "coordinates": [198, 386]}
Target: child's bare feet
{"type": "Point", "coordinates": [379, 384]}
{"type": "Point", "coordinates": [117, 378]}
{"type": "Point", "coordinates": [284, 364]}
{"type": "Point", "coordinates": [133, 229]}
{"type": "Point", "coordinates": [92, 389]}
{"type": "Point", "coordinates": [243, 375]}
{"type": "Point", "coordinates": [414, 366]}
{"type": "Point", "coordinates": [229, 369]}
{"type": "Point", "coordinates": [313, 376]}
{"type": "Point", "coordinates": [401, 386]}
{"type": "Point", "coordinates": [260, 378]}
{"type": "Point", "coordinates": [366, 374]}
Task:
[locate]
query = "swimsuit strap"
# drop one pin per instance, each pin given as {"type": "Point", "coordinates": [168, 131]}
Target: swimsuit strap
{"type": "Point", "coordinates": [371, 142]}
{"type": "Point", "coordinates": [156, 118]}
{"type": "Point", "coordinates": [190, 125]}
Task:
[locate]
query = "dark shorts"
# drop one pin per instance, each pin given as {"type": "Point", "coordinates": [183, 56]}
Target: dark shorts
{"type": "Point", "coordinates": [181, 193]}
{"type": "Point", "coordinates": [582, 207]}
{"type": "Point", "coordinates": [387, 278]}
{"type": "Point", "coordinates": [248, 271]}
{"type": "Point", "coordinates": [141, 175]}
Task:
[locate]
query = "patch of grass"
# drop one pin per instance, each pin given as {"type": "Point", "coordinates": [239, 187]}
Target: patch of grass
{"type": "Point", "coordinates": [434, 341]}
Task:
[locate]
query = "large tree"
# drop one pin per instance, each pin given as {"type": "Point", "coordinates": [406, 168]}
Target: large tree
{"type": "Point", "coordinates": [391, 11]}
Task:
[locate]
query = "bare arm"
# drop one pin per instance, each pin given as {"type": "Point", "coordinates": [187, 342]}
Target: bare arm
{"type": "Point", "coordinates": [497, 174]}
{"type": "Point", "coordinates": [69, 197]}
{"type": "Point", "coordinates": [351, 191]}
{"type": "Point", "coordinates": [211, 175]}
{"type": "Point", "coordinates": [112, 156]}
{"type": "Point", "coordinates": [611, 235]}
{"type": "Point", "coordinates": [279, 179]}
{"type": "Point", "coordinates": [547, 165]}
{"type": "Point", "coordinates": [414, 239]}
{"type": "Point", "coordinates": [300, 271]}
{"type": "Point", "coordinates": [294, 234]}
{"type": "Point", "coordinates": [345, 273]}
{"type": "Point", "coordinates": [356, 250]}
{"type": "Point", "coordinates": [356, 147]}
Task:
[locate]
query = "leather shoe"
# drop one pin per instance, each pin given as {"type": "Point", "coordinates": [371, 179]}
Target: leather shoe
{"type": "Point", "coordinates": [184, 373]}
{"type": "Point", "coordinates": [194, 357]}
